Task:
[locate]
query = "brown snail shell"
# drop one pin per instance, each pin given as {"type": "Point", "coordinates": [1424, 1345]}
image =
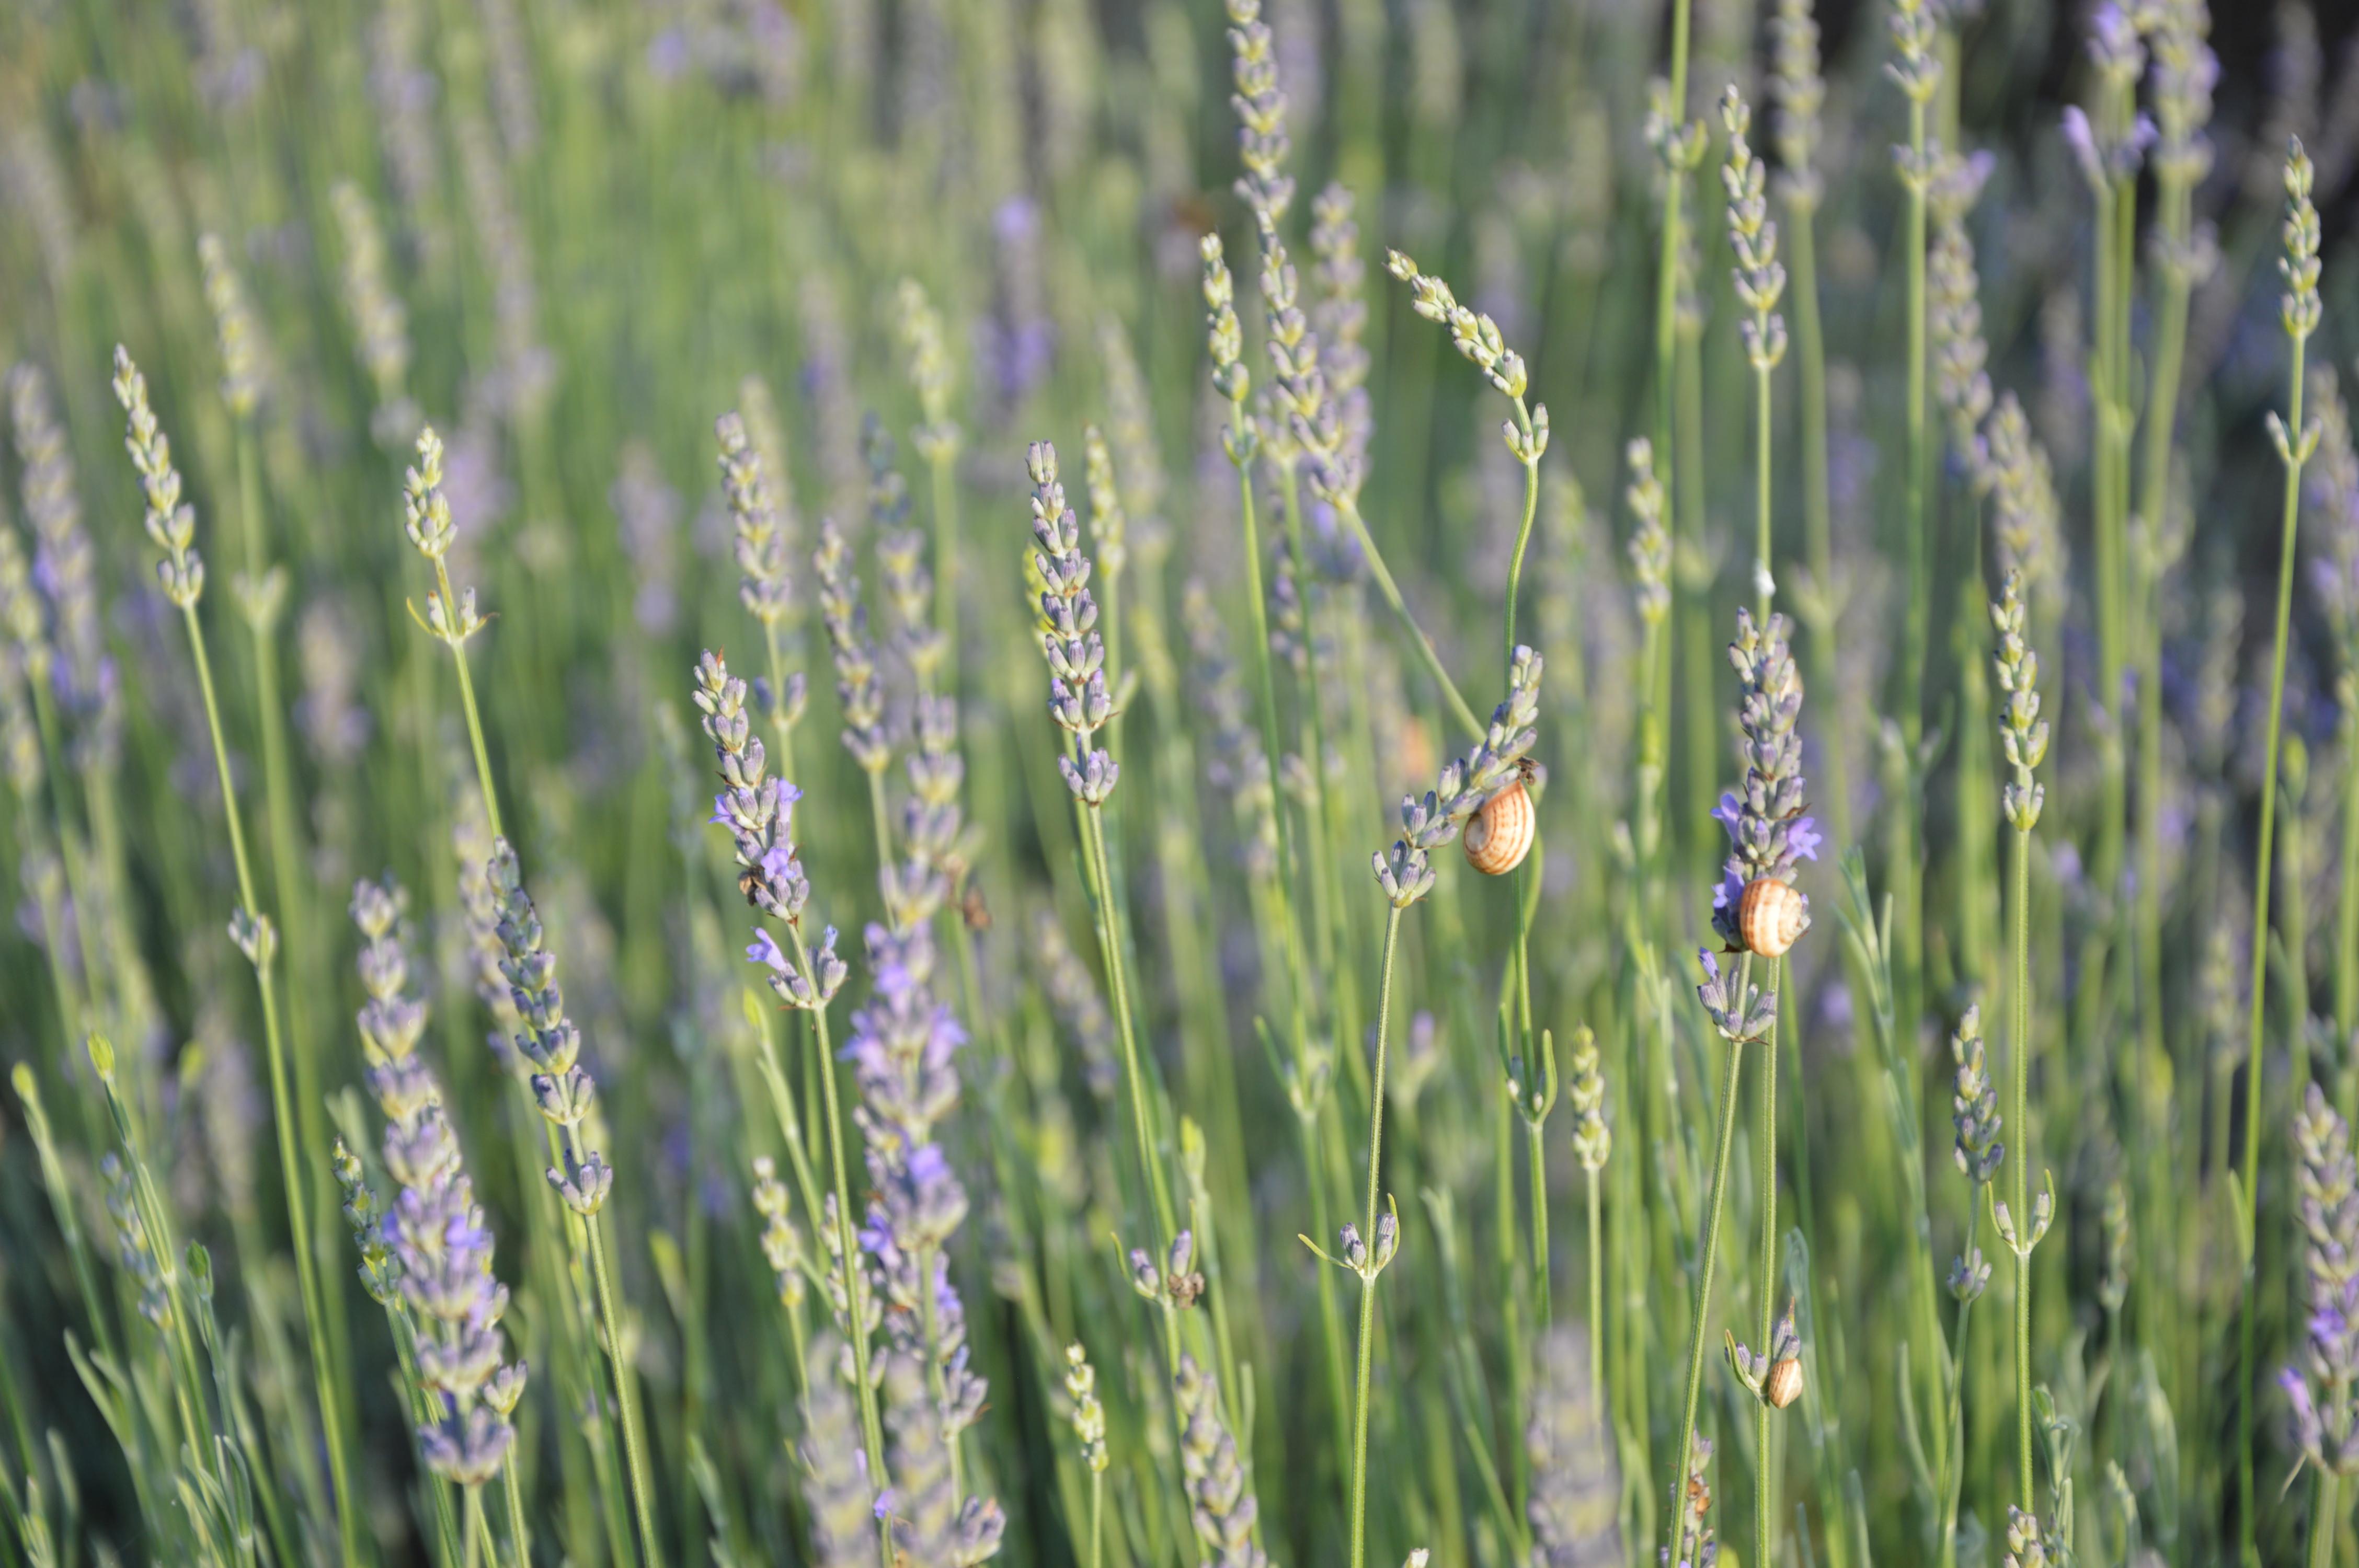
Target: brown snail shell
{"type": "Point", "coordinates": [1785, 1383]}
{"type": "Point", "coordinates": [1770, 914]}
{"type": "Point", "coordinates": [1500, 833]}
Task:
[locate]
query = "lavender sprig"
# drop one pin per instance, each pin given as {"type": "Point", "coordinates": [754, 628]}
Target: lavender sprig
{"type": "Point", "coordinates": [1465, 785]}
{"type": "Point", "coordinates": [857, 686]}
{"type": "Point", "coordinates": [2321, 1384]}
{"type": "Point", "coordinates": [437, 1244]}
{"type": "Point", "coordinates": [1768, 833]}
{"type": "Point", "coordinates": [563, 1090]}
{"type": "Point", "coordinates": [1078, 699]}
{"type": "Point", "coordinates": [765, 581]}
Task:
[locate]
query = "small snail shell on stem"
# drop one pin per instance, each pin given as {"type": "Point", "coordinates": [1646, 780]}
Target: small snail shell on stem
{"type": "Point", "coordinates": [1500, 833]}
{"type": "Point", "coordinates": [1770, 914]}
{"type": "Point", "coordinates": [1784, 1384]}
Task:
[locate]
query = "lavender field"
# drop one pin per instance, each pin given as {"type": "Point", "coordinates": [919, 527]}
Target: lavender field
{"type": "Point", "coordinates": [1178, 783]}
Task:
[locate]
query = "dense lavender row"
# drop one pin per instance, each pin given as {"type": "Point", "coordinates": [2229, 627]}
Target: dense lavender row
{"type": "Point", "coordinates": [1795, 591]}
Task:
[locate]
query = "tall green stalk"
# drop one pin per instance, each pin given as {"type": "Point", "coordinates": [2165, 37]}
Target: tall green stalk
{"type": "Point", "coordinates": [1379, 1245]}
{"type": "Point", "coordinates": [2024, 738]}
{"type": "Point", "coordinates": [1694, 1384]}
{"type": "Point", "coordinates": [172, 526]}
{"type": "Point", "coordinates": [1915, 30]}
{"type": "Point", "coordinates": [2295, 441]}
{"type": "Point", "coordinates": [872, 1428]}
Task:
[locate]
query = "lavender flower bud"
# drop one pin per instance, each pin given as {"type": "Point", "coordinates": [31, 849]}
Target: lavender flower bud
{"type": "Point", "coordinates": [1976, 1105]}
{"type": "Point", "coordinates": [171, 523]}
{"type": "Point", "coordinates": [1223, 1507]}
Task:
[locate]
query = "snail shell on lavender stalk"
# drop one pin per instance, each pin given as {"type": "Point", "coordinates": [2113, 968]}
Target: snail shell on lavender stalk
{"type": "Point", "coordinates": [1784, 1385]}
{"type": "Point", "coordinates": [1500, 834]}
{"type": "Point", "coordinates": [1770, 914]}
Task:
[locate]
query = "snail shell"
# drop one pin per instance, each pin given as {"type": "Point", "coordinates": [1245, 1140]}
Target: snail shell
{"type": "Point", "coordinates": [1500, 834]}
{"type": "Point", "coordinates": [1770, 914]}
{"type": "Point", "coordinates": [1785, 1383]}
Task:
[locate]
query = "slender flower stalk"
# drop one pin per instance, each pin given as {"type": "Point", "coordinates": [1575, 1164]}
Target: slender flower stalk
{"type": "Point", "coordinates": [757, 811]}
{"type": "Point", "coordinates": [1679, 147]}
{"type": "Point", "coordinates": [1797, 93]}
{"type": "Point", "coordinates": [564, 1091]}
{"type": "Point", "coordinates": [171, 524]}
{"type": "Point", "coordinates": [428, 1259]}
{"type": "Point", "coordinates": [2295, 438]}
{"type": "Point", "coordinates": [1760, 281]}
{"type": "Point", "coordinates": [1406, 874]}
{"type": "Point", "coordinates": [762, 547]}
{"type": "Point", "coordinates": [2184, 72]}
{"type": "Point", "coordinates": [451, 618]}
{"type": "Point", "coordinates": [1476, 338]}
{"type": "Point", "coordinates": [1979, 1154]}
{"type": "Point", "coordinates": [1081, 703]}
{"type": "Point", "coordinates": [1768, 837]}
{"type": "Point", "coordinates": [2023, 735]}
{"type": "Point", "coordinates": [1918, 68]}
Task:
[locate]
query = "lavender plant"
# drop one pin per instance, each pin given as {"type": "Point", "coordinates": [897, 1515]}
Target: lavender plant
{"type": "Point", "coordinates": [804, 1284]}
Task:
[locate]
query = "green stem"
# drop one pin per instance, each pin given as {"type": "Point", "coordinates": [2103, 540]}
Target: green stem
{"type": "Point", "coordinates": [1290, 859]}
{"type": "Point", "coordinates": [1667, 268]}
{"type": "Point", "coordinates": [520, 1536]}
{"type": "Point", "coordinates": [944, 464]}
{"type": "Point", "coordinates": [1093, 863]}
{"type": "Point", "coordinates": [2021, 1031]}
{"type": "Point", "coordinates": [1542, 1292]}
{"type": "Point", "coordinates": [1368, 1276]}
{"type": "Point", "coordinates": [475, 717]}
{"type": "Point", "coordinates": [626, 1395]}
{"type": "Point", "coordinates": [1427, 654]}
{"type": "Point", "coordinates": [2327, 1520]}
{"type": "Point", "coordinates": [1765, 1485]}
{"type": "Point", "coordinates": [847, 1231]}
{"type": "Point", "coordinates": [2263, 862]}
{"type": "Point", "coordinates": [1711, 1253]}
{"type": "Point", "coordinates": [1596, 1305]}
{"type": "Point", "coordinates": [1097, 1516]}
{"type": "Point", "coordinates": [290, 1171]}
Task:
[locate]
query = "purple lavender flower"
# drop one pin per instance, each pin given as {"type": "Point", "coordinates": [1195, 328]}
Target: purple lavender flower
{"type": "Point", "coordinates": [561, 1088]}
{"type": "Point", "coordinates": [857, 686]}
{"type": "Point", "coordinates": [2320, 1386]}
{"type": "Point", "coordinates": [901, 1048]}
{"type": "Point", "coordinates": [1079, 698]}
{"type": "Point", "coordinates": [434, 1245]}
{"type": "Point", "coordinates": [64, 568]}
{"type": "Point", "coordinates": [1767, 834]}
{"type": "Point", "coordinates": [1464, 786]}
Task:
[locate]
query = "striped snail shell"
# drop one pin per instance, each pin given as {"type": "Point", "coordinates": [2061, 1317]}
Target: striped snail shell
{"type": "Point", "coordinates": [1784, 1385]}
{"type": "Point", "coordinates": [1770, 914]}
{"type": "Point", "coordinates": [1500, 834]}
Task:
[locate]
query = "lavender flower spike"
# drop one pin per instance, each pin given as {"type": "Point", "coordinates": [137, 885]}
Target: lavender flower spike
{"type": "Point", "coordinates": [1465, 785]}
{"type": "Point", "coordinates": [434, 1242]}
{"type": "Point", "coordinates": [758, 812]}
{"type": "Point", "coordinates": [1769, 836]}
{"type": "Point", "coordinates": [1078, 699]}
{"type": "Point", "coordinates": [2323, 1386]}
{"type": "Point", "coordinates": [561, 1086]}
